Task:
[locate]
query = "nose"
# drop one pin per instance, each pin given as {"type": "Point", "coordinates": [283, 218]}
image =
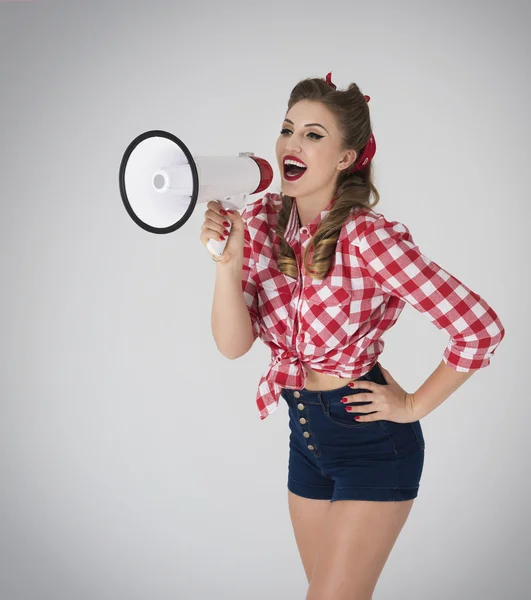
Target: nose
{"type": "Point", "coordinates": [291, 147]}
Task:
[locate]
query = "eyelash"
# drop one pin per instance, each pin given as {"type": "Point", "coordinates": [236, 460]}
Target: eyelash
{"type": "Point", "coordinates": [311, 133]}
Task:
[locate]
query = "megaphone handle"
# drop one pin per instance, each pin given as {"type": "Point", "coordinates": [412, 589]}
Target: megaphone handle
{"type": "Point", "coordinates": [216, 247]}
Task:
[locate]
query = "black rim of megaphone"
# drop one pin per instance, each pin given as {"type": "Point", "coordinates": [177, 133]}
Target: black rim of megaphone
{"type": "Point", "coordinates": [195, 178]}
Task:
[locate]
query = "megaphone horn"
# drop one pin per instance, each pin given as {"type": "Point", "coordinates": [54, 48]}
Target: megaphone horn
{"type": "Point", "coordinates": [161, 182]}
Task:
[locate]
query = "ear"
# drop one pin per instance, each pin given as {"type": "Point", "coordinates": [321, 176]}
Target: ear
{"type": "Point", "coordinates": [348, 160]}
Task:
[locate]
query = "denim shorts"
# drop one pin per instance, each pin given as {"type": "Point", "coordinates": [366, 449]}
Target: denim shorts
{"type": "Point", "coordinates": [333, 457]}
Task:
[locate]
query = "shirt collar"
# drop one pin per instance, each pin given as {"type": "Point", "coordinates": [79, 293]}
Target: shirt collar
{"type": "Point", "coordinates": [293, 225]}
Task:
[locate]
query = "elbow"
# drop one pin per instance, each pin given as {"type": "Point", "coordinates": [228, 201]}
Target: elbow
{"type": "Point", "coordinates": [496, 329]}
{"type": "Point", "coordinates": [502, 332]}
{"type": "Point", "coordinates": [232, 354]}
{"type": "Point", "coordinates": [235, 356]}
{"type": "Point", "coordinates": [495, 340]}
{"type": "Point", "coordinates": [242, 353]}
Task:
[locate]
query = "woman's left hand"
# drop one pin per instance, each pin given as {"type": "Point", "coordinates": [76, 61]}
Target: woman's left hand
{"type": "Point", "coordinates": [391, 401]}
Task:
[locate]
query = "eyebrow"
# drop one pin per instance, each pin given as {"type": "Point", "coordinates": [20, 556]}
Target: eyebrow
{"type": "Point", "coordinates": [308, 124]}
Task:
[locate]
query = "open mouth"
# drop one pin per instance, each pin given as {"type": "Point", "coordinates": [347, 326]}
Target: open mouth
{"type": "Point", "coordinates": [293, 172]}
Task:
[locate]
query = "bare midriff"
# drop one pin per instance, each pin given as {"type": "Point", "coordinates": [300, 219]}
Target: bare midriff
{"type": "Point", "coordinates": [320, 382]}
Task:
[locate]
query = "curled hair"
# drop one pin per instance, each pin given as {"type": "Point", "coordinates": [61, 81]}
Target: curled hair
{"type": "Point", "coordinates": [353, 190]}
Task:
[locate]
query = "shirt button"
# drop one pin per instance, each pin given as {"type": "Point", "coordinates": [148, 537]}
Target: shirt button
{"type": "Point", "coordinates": [310, 447]}
{"type": "Point", "coordinates": [306, 434]}
{"type": "Point", "coordinates": [304, 230]}
{"type": "Point", "coordinates": [300, 406]}
{"type": "Point", "coordinates": [302, 421]}
{"type": "Point", "coordinates": [297, 394]}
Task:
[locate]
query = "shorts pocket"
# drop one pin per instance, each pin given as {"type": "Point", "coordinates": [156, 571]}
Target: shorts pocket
{"type": "Point", "coordinates": [337, 413]}
{"type": "Point", "coordinates": [336, 410]}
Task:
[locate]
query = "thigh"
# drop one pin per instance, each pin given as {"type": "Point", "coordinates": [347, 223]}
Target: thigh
{"type": "Point", "coordinates": [307, 517]}
{"type": "Point", "coordinates": [356, 541]}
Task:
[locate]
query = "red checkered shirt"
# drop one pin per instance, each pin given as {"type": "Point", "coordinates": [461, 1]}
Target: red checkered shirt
{"type": "Point", "coordinates": [335, 325]}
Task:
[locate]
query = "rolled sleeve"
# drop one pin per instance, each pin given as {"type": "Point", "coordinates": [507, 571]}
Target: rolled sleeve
{"type": "Point", "coordinates": [397, 265]}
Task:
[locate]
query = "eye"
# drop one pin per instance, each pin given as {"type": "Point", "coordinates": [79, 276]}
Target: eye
{"type": "Point", "coordinates": [317, 136]}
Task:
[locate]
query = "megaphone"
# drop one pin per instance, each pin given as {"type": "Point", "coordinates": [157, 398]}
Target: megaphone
{"type": "Point", "coordinates": [161, 182]}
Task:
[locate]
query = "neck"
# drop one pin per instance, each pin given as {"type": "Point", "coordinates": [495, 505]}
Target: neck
{"type": "Point", "coordinates": [310, 205]}
{"type": "Point", "coordinates": [308, 208]}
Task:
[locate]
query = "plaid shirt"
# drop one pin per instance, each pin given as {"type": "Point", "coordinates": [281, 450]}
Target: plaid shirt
{"type": "Point", "coordinates": [335, 325]}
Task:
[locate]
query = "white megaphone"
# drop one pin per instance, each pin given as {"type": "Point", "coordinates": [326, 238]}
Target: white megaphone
{"type": "Point", "coordinates": [161, 182]}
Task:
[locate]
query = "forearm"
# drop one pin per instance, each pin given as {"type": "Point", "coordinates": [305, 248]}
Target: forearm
{"type": "Point", "coordinates": [441, 384]}
{"type": "Point", "coordinates": [230, 321]}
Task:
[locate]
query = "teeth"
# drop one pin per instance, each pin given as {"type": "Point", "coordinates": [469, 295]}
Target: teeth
{"type": "Point", "coordinates": [294, 162]}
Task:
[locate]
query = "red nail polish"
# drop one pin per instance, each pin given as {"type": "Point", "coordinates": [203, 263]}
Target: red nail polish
{"type": "Point", "coordinates": [221, 237]}
{"type": "Point", "coordinates": [222, 212]}
{"type": "Point", "coordinates": [344, 400]}
{"type": "Point", "coordinates": [357, 418]}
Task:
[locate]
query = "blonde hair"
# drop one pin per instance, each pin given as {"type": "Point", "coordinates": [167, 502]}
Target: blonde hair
{"type": "Point", "coordinates": [353, 190]}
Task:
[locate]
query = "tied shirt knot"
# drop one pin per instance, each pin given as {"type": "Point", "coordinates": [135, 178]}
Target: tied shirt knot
{"type": "Point", "coordinates": [287, 371]}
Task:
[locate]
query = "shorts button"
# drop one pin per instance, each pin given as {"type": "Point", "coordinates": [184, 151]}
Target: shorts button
{"type": "Point", "coordinates": [300, 406]}
{"type": "Point", "coordinates": [306, 434]}
{"type": "Point", "coordinates": [302, 421]}
{"type": "Point", "coordinates": [310, 447]}
{"type": "Point", "coordinates": [297, 394]}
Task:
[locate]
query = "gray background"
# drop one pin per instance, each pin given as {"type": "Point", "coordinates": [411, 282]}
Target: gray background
{"type": "Point", "coordinates": [133, 461]}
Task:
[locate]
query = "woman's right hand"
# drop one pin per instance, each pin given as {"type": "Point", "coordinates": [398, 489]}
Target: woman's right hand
{"type": "Point", "coordinates": [213, 228]}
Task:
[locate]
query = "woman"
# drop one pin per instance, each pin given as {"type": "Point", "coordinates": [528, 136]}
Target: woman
{"type": "Point", "coordinates": [323, 277]}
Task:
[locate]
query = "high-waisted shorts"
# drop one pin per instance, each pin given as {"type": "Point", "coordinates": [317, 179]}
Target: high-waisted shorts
{"type": "Point", "coordinates": [334, 457]}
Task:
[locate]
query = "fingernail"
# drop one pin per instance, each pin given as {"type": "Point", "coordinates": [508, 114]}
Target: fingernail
{"type": "Point", "coordinates": [222, 212]}
{"type": "Point", "coordinates": [226, 223]}
{"type": "Point", "coordinates": [225, 232]}
{"type": "Point", "coordinates": [357, 418]}
{"type": "Point", "coordinates": [344, 400]}
{"type": "Point", "coordinates": [221, 237]}
{"type": "Point", "coordinates": [231, 212]}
